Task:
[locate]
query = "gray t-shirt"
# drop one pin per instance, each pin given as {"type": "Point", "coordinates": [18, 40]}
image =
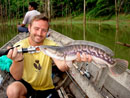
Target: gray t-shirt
{"type": "Point", "coordinates": [29, 15]}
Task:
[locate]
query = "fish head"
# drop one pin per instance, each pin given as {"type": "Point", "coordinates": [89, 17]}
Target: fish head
{"type": "Point", "coordinates": [45, 48]}
{"type": "Point", "coordinates": [52, 51]}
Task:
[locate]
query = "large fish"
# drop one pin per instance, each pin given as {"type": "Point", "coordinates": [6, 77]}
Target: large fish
{"type": "Point", "coordinates": [101, 55]}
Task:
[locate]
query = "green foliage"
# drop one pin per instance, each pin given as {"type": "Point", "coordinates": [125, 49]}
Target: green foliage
{"type": "Point", "coordinates": [63, 8]}
{"type": "Point", "coordinates": [102, 8]}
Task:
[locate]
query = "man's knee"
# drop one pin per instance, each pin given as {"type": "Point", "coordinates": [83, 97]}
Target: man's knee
{"type": "Point", "coordinates": [15, 89]}
{"type": "Point", "coordinates": [11, 91]}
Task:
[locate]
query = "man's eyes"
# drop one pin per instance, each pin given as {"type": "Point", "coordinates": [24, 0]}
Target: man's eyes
{"type": "Point", "coordinates": [36, 28]}
{"type": "Point", "coordinates": [43, 30]}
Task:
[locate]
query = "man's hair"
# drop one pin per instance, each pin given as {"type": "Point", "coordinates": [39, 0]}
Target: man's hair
{"type": "Point", "coordinates": [33, 4]}
{"type": "Point", "coordinates": [39, 17]}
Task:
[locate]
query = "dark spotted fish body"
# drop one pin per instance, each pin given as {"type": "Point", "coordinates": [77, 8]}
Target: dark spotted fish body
{"type": "Point", "coordinates": [101, 55]}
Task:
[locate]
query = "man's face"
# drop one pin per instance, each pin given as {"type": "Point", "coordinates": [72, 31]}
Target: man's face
{"type": "Point", "coordinates": [38, 31]}
{"type": "Point", "coordinates": [29, 7]}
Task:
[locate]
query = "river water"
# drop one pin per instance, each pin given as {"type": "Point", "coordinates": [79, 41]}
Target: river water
{"type": "Point", "coordinates": [100, 33]}
{"type": "Point", "coordinates": [7, 32]}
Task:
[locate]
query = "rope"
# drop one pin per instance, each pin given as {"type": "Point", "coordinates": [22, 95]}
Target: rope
{"type": "Point", "coordinates": [5, 63]}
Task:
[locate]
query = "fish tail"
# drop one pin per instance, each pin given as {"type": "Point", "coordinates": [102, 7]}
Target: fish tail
{"type": "Point", "coordinates": [120, 67]}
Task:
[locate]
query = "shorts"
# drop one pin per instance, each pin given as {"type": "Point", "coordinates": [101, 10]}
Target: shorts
{"type": "Point", "coordinates": [22, 29]}
{"type": "Point", "coordinates": [51, 93]}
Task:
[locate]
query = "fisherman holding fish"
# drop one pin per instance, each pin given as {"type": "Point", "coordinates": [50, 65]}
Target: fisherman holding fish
{"type": "Point", "coordinates": [32, 72]}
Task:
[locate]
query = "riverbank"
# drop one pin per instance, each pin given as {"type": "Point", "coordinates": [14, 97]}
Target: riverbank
{"type": "Point", "coordinates": [123, 20]}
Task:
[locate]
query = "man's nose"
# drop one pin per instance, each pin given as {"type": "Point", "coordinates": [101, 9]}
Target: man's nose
{"type": "Point", "coordinates": [39, 32]}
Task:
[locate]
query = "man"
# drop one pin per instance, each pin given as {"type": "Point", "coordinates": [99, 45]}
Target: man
{"type": "Point", "coordinates": [28, 16]}
{"type": "Point", "coordinates": [33, 71]}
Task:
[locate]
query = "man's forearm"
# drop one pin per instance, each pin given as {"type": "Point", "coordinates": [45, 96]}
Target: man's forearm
{"type": "Point", "coordinates": [16, 70]}
{"type": "Point", "coordinates": [62, 65]}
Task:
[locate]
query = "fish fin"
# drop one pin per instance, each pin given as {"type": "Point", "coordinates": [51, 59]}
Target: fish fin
{"type": "Point", "coordinates": [120, 67]}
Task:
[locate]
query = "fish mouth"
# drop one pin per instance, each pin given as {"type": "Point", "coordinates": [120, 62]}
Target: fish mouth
{"type": "Point", "coordinates": [41, 48]}
{"type": "Point", "coordinates": [51, 49]}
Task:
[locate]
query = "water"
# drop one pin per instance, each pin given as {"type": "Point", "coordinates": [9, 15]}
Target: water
{"type": "Point", "coordinates": [6, 33]}
{"type": "Point", "coordinates": [104, 34]}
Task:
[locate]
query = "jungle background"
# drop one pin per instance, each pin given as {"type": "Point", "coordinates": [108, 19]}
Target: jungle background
{"type": "Point", "coordinates": [103, 9]}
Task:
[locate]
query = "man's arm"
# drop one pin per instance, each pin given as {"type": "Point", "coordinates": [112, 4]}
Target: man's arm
{"type": "Point", "coordinates": [62, 65]}
{"type": "Point", "coordinates": [16, 68]}
{"type": "Point", "coordinates": [25, 20]}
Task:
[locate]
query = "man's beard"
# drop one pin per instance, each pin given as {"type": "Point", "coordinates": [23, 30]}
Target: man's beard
{"type": "Point", "coordinates": [35, 40]}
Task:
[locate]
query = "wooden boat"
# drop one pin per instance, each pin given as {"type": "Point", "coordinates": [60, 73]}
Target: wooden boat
{"type": "Point", "coordinates": [83, 80]}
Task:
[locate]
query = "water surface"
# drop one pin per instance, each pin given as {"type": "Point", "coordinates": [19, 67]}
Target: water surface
{"type": "Point", "coordinates": [7, 32]}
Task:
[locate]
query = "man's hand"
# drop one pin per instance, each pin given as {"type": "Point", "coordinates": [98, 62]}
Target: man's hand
{"type": "Point", "coordinates": [21, 25]}
{"type": "Point", "coordinates": [16, 69]}
{"type": "Point", "coordinates": [83, 58]}
{"type": "Point", "coordinates": [12, 54]}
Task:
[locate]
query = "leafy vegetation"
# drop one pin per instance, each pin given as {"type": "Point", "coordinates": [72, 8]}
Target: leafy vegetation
{"type": "Point", "coordinates": [64, 8]}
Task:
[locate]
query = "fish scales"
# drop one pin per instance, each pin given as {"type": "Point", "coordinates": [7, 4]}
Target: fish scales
{"type": "Point", "coordinates": [94, 51]}
{"type": "Point", "coordinates": [59, 52]}
{"type": "Point", "coordinates": [89, 43]}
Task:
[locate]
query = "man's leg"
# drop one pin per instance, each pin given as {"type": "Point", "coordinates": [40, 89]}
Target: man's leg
{"type": "Point", "coordinates": [16, 90]}
{"type": "Point", "coordinates": [22, 29]}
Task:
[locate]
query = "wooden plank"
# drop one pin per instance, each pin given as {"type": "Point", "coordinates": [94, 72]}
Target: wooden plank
{"type": "Point", "coordinates": [85, 84]}
{"type": "Point", "coordinates": [123, 79]}
{"type": "Point", "coordinates": [76, 91]}
{"type": "Point", "coordinates": [106, 94]}
{"type": "Point", "coordinates": [62, 93]}
{"type": "Point", "coordinates": [116, 89]}
{"type": "Point", "coordinates": [103, 73]}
